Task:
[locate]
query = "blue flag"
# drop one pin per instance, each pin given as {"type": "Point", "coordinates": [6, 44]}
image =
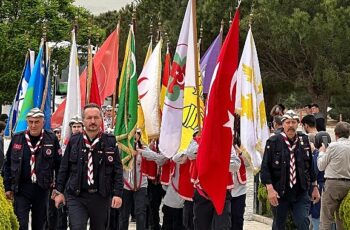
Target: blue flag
{"type": "Point", "coordinates": [38, 91]}
{"type": "Point", "coordinates": [19, 97]}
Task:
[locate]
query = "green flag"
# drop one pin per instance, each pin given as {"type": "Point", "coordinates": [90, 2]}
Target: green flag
{"type": "Point", "coordinates": [127, 111]}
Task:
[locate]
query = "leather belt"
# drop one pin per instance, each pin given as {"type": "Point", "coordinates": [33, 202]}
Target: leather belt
{"type": "Point", "coordinates": [341, 179]}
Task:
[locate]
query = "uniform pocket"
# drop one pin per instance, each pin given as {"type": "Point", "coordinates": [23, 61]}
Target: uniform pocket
{"type": "Point", "coordinates": [276, 160]}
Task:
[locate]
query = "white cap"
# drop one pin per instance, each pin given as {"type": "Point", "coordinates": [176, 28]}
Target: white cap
{"type": "Point", "coordinates": [35, 112]}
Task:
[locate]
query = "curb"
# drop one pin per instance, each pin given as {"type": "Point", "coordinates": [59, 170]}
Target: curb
{"type": "Point", "coordinates": [262, 219]}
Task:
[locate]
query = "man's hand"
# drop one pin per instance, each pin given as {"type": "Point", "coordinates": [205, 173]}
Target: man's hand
{"type": "Point", "coordinates": [272, 195]}
{"type": "Point", "coordinates": [116, 202]}
{"type": "Point", "coordinates": [9, 195]}
{"type": "Point", "coordinates": [312, 145]}
{"type": "Point", "coordinates": [315, 195]}
{"type": "Point", "coordinates": [59, 199]}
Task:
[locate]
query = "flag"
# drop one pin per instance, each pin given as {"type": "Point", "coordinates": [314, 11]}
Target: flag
{"type": "Point", "coordinates": [183, 64]}
{"type": "Point", "coordinates": [125, 128]}
{"type": "Point", "coordinates": [73, 104]}
{"type": "Point", "coordinates": [250, 103]}
{"type": "Point", "coordinates": [35, 90]}
{"type": "Point", "coordinates": [20, 93]}
{"type": "Point", "coordinates": [94, 93]}
{"type": "Point", "coordinates": [165, 77]}
{"type": "Point", "coordinates": [209, 60]}
{"type": "Point", "coordinates": [149, 90]}
{"type": "Point", "coordinates": [216, 140]}
{"type": "Point", "coordinates": [140, 115]}
{"type": "Point", "coordinates": [47, 99]}
{"type": "Point", "coordinates": [106, 66]}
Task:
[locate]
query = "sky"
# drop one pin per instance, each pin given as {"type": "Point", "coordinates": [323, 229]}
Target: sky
{"type": "Point", "coordinates": [100, 6]}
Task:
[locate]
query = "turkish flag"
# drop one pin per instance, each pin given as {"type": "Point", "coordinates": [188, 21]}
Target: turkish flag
{"type": "Point", "coordinates": [216, 140]}
{"type": "Point", "coordinates": [106, 67]}
{"type": "Point", "coordinates": [94, 92]}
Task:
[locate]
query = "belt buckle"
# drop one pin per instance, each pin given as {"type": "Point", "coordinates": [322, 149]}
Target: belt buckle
{"type": "Point", "coordinates": [93, 190]}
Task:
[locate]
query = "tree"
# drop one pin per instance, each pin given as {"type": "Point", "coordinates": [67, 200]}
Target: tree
{"type": "Point", "coordinates": [303, 45]}
{"type": "Point", "coordinates": [21, 26]}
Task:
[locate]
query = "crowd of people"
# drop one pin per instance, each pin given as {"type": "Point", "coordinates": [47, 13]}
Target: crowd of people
{"type": "Point", "coordinates": [304, 174]}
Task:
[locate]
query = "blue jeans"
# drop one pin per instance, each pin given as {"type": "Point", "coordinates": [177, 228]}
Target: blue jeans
{"type": "Point", "coordinates": [315, 223]}
{"type": "Point", "coordinates": [300, 212]}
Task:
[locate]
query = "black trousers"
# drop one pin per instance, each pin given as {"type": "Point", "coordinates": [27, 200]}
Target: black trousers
{"type": "Point", "coordinates": [237, 212]}
{"type": "Point", "coordinates": [140, 199]}
{"type": "Point", "coordinates": [172, 219]}
{"type": "Point", "coordinates": [187, 215]}
{"type": "Point", "coordinates": [56, 218]}
{"type": "Point", "coordinates": [31, 197]}
{"type": "Point", "coordinates": [114, 219]}
{"type": "Point", "coordinates": [155, 195]}
{"type": "Point", "coordinates": [88, 206]}
{"type": "Point", "coordinates": [205, 216]}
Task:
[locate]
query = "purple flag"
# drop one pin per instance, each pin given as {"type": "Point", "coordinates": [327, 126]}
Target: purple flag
{"type": "Point", "coordinates": [208, 62]}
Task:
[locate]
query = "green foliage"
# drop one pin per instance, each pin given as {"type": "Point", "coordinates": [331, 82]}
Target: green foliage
{"type": "Point", "coordinates": [21, 26]}
{"type": "Point", "coordinates": [262, 197]}
{"type": "Point", "coordinates": [8, 219]}
{"type": "Point", "coordinates": [266, 207]}
{"type": "Point", "coordinates": [344, 211]}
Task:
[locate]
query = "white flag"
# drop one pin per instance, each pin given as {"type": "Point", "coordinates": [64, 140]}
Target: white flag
{"type": "Point", "coordinates": [250, 103]}
{"type": "Point", "coordinates": [73, 102]}
{"type": "Point", "coordinates": [149, 91]}
{"type": "Point", "coordinates": [171, 128]}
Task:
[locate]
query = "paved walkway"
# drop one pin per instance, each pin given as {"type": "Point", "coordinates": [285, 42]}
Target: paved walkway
{"type": "Point", "coordinates": [248, 225]}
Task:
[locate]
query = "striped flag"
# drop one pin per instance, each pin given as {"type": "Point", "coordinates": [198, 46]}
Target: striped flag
{"type": "Point", "coordinates": [21, 91]}
{"type": "Point", "coordinates": [35, 96]}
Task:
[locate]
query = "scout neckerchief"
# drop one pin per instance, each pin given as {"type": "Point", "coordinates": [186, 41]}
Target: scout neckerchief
{"type": "Point", "coordinates": [90, 174]}
{"type": "Point", "coordinates": [32, 153]}
{"type": "Point", "coordinates": [292, 170]}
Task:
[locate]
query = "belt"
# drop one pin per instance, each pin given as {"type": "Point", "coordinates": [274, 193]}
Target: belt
{"type": "Point", "coordinates": [341, 179]}
{"type": "Point", "coordinates": [92, 190]}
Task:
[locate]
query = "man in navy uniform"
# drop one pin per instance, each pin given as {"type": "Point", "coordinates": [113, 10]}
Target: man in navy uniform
{"type": "Point", "coordinates": [288, 173]}
{"type": "Point", "coordinates": [90, 175]}
{"type": "Point", "coordinates": [31, 159]}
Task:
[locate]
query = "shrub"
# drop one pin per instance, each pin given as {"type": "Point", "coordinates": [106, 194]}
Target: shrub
{"type": "Point", "coordinates": [344, 211]}
{"type": "Point", "coordinates": [8, 219]}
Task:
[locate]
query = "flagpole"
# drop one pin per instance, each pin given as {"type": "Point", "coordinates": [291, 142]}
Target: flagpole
{"type": "Point", "coordinates": [42, 106]}
{"type": "Point", "coordinates": [89, 67]}
{"type": "Point", "coordinates": [114, 98]}
{"type": "Point", "coordinates": [196, 65]}
{"type": "Point", "coordinates": [134, 31]}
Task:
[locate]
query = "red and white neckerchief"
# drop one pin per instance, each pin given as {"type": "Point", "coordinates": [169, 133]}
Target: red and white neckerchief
{"type": "Point", "coordinates": [90, 173]}
{"type": "Point", "coordinates": [292, 170]}
{"type": "Point", "coordinates": [32, 153]}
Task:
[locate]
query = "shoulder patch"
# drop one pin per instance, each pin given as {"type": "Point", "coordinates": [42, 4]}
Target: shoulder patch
{"type": "Point", "coordinates": [17, 146]}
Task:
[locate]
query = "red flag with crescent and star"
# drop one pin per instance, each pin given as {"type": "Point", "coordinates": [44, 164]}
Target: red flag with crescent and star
{"type": "Point", "coordinates": [216, 140]}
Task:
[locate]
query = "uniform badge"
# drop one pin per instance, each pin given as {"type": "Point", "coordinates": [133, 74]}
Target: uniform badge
{"type": "Point", "coordinates": [110, 158]}
{"type": "Point", "coordinates": [48, 152]}
{"type": "Point", "coordinates": [17, 146]}
{"type": "Point", "coordinates": [60, 152]}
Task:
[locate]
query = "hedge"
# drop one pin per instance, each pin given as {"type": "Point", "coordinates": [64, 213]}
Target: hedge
{"type": "Point", "coordinates": [344, 211]}
{"type": "Point", "coordinates": [8, 219]}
